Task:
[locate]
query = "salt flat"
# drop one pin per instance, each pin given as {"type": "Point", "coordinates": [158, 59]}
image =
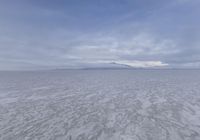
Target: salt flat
{"type": "Point", "coordinates": [100, 105]}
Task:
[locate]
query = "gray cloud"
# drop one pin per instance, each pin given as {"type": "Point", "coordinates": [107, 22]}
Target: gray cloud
{"type": "Point", "coordinates": [33, 36]}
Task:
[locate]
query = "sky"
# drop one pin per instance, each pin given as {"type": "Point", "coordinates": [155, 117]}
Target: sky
{"type": "Point", "coordinates": [46, 34]}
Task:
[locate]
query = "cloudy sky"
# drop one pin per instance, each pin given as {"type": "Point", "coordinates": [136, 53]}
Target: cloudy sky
{"type": "Point", "coordinates": [37, 34]}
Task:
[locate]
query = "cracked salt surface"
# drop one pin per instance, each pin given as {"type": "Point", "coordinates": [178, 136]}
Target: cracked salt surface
{"type": "Point", "coordinates": [100, 105]}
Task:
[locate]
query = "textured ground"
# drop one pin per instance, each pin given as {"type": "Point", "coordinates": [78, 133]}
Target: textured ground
{"type": "Point", "coordinates": [100, 105]}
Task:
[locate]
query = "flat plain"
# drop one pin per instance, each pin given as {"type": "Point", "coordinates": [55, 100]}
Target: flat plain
{"type": "Point", "coordinates": [100, 105]}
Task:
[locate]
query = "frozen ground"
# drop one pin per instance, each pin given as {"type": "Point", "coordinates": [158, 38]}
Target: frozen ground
{"type": "Point", "coordinates": [100, 105]}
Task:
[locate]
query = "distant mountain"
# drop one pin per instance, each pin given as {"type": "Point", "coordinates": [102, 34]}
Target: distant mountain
{"type": "Point", "coordinates": [121, 65]}
{"type": "Point", "coordinates": [112, 65]}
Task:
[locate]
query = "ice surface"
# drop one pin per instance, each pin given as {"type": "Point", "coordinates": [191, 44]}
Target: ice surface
{"type": "Point", "coordinates": [100, 105]}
